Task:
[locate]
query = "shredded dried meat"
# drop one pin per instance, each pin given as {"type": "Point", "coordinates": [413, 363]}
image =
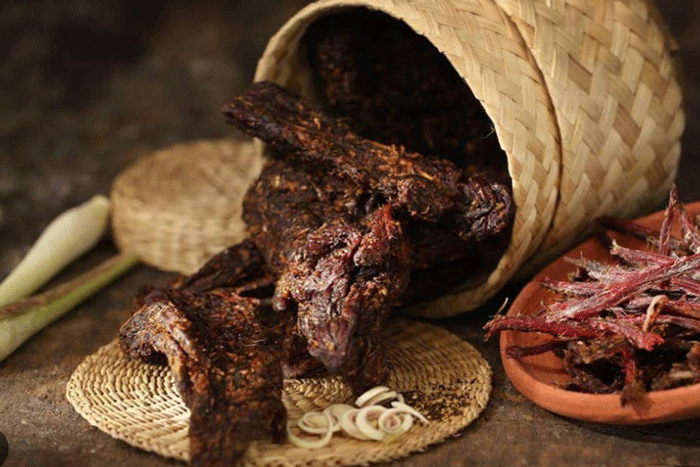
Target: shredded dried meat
{"type": "Point", "coordinates": [628, 327]}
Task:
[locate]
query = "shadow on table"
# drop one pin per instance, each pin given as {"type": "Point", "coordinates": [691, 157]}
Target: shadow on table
{"type": "Point", "coordinates": [684, 433]}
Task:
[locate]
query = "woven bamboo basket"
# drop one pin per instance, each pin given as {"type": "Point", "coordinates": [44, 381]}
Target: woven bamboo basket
{"type": "Point", "coordinates": [584, 97]}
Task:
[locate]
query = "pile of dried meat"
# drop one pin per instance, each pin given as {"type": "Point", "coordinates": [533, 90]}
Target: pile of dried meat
{"type": "Point", "coordinates": [346, 217]}
{"type": "Point", "coordinates": [631, 326]}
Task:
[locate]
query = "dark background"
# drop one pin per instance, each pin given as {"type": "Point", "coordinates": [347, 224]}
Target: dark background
{"type": "Point", "coordinates": [87, 87]}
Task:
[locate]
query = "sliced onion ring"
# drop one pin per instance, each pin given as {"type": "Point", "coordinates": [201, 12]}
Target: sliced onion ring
{"type": "Point", "coordinates": [382, 397]}
{"type": "Point", "coordinates": [363, 424]}
{"type": "Point", "coordinates": [310, 443]}
{"type": "Point", "coordinates": [347, 423]}
{"type": "Point", "coordinates": [370, 393]}
{"type": "Point", "coordinates": [316, 423]}
{"type": "Point", "coordinates": [405, 421]}
{"type": "Point", "coordinates": [336, 411]}
{"type": "Point", "coordinates": [410, 410]}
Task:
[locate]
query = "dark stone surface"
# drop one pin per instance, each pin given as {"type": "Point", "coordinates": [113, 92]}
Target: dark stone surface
{"type": "Point", "coordinates": [88, 86]}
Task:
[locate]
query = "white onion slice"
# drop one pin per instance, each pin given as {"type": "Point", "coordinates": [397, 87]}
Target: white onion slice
{"type": "Point", "coordinates": [310, 443]}
{"type": "Point", "coordinates": [382, 397]}
{"type": "Point", "coordinates": [387, 421]}
{"type": "Point", "coordinates": [336, 411]}
{"type": "Point", "coordinates": [363, 423]}
{"type": "Point", "coordinates": [315, 423]}
{"type": "Point", "coordinates": [347, 423]}
{"type": "Point", "coordinates": [410, 410]}
{"type": "Point", "coordinates": [370, 393]}
{"type": "Point", "coordinates": [370, 421]}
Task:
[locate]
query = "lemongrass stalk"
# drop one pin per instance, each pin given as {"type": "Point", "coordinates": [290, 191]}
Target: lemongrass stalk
{"type": "Point", "coordinates": [21, 320]}
{"type": "Point", "coordinates": [68, 236]}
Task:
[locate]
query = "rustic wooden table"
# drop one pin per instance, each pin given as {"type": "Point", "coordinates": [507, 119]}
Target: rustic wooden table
{"type": "Point", "coordinates": [89, 86]}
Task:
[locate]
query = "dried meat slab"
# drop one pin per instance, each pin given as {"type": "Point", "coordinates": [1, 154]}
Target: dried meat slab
{"type": "Point", "coordinates": [415, 186]}
{"type": "Point", "coordinates": [225, 352]}
{"type": "Point", "coordinates": [240, 267]}
{"type": "Point", "coordinates": [341, 262]}
{"type": "Point", "coordinates": [341, 284]}
{"type": "Point", "coordinates": [286, 203]}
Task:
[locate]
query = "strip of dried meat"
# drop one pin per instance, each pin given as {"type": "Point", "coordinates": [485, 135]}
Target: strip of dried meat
{"type": "Point", "coordinates": [225, 352]}
{"type": "Point", "coordinates": [537, 324]}
{"type": "Point", "coordinates": [240, 266]}
{"type": "Point", "coordinates": [341, 263]}
{"type": "Point", "coordinates": [420, 188]}
{"type": "Point", "coordinates": [341, 285]}
{"type": "Point", "coordinates": [634, 284]}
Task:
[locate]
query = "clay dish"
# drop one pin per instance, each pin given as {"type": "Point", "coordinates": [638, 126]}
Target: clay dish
{"type": "Point", "coordinates": [541, 378]}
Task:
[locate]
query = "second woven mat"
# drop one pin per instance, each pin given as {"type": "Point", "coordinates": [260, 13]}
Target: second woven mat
{"type": "Point", "coordinates": [438, 374]}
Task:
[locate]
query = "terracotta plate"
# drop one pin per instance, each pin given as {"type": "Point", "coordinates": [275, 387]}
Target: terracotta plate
{"type": "Point", "coordinates": [540, 377]}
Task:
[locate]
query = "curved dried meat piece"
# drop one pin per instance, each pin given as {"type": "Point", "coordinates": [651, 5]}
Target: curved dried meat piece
{"type": "Point", "coordinates": [341, 284]}
{"type": "Point", "coordinates": [421, 188]}
{"type": "Point", "coordinates": [225, 352]}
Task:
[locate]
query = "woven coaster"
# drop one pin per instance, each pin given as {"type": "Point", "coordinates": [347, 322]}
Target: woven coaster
{"type": "Point", "coordinates": [182, 204]}
{"type": "Point", "coordinates": [440, 375]}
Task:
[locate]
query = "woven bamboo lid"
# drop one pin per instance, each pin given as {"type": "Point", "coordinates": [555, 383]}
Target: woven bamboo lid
{"type": "Point", "coordinates": [583, 94]}
{"type": "Point", "coordinates": [440, 375]}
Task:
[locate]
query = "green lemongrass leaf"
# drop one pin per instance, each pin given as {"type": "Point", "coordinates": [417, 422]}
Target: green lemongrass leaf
{"type": "Point", "coordinates": [21, 320]}
{"type": "Point", "coordinates": [67, 237]}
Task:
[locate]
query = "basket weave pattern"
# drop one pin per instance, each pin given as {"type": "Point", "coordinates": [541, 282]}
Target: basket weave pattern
{"type": "Point", "coordinates": [179, 206]}
{"type": "Point", "coordinates": [609, 68]}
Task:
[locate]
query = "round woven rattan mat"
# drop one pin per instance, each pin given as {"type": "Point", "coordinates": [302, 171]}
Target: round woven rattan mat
{"type": "Point", "coordinates": [182, 204]}
{"type": "Point", "coordinates": [438, 374]}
